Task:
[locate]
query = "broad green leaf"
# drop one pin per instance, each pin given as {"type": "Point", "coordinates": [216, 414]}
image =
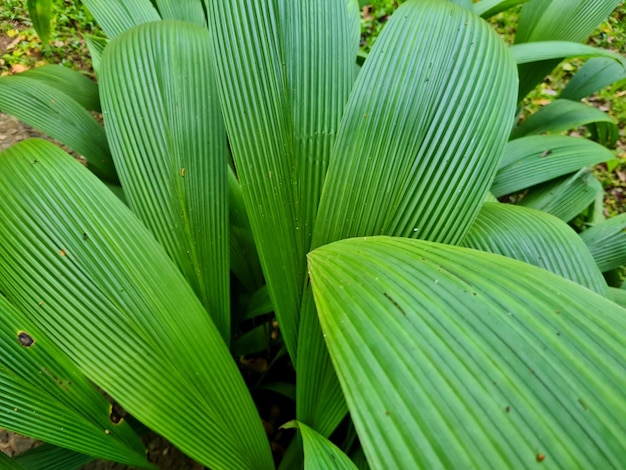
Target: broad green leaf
{"type": "Point", "coordinates": [595, 74]}
{"type": "Point", "coordinates": [553, 52]}
{"type": "Point", "coordinates": [536, 238]}
{"type": "Point", "coordinates": [319, 452]}
{"type": "Point", "coordinates": [607, 242]}
{"type": "Point", "coordinates": [83, 90]}
{"type": "Point", "coordinates": [117, 16]}
{"type": "Point", "coordinates": [454, 358]}
{"type": "Point", "coordinates": [489, 8]}
{"type": "Point", "coordinates": [358, 457]}
{"type": "Point", "coordinates": [535, 159]}
{"type": "Point", "coordinates": [53, 457]}
{"type": "Point", "coordinates": [556, 20]}
{"type": "Point", "coordinates": [113, 301]}
{"type": "Point", "coordinates": [414, 161]}
{"type": "Point", "coordinates": [60, 116]}
{"type": "Point", "coordinates": [566, 197]}
{"type": "Point", "coordinates": [618, 296]}
{"type": "Point", "coordinates": [96, 47]}
{"type": "Point", "coordinates": [282, 115]}
{"type": "Point", "coordinates": [168, 141]}
{"type": "Point", "coordinates": [190, 11]}
{"type": "Point", "coordinates": [418, 159]}
{"type": "Point", "coordinates": [244, 258]}
{"type": "Point", "coordinates": [40, 12]}
{"type": "Point", "coordinates": [45, 396]}
{"type": "Point", "coordinates": [8, 463]}
{"type": "Point", "coordinates": [463, 3]}
{"type": "Point", "coordinates": [562, 115]}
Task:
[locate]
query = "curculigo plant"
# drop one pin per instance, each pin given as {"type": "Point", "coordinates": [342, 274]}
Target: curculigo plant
{"type": "Point", "coordinates": [250, 174]}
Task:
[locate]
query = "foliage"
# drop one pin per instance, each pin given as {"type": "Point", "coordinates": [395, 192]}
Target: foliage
{"type": "Point", "coordinates": [247, 172]}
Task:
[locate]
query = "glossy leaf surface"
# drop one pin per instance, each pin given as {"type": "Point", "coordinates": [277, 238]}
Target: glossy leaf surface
{"type": "Point", "coordinates": [535, 238]}
{"type": "Point", "coordinates": [164, 124]}
{"type": "Point", "coordinates": [116, 304]}
{"type": "Point", "coordinates": [455, 358]}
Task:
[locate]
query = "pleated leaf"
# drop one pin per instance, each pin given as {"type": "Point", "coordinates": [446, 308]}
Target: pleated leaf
{"type": "Point", "coordinates": [560, 20]}
{"type": "Point", "coordinates": [168, 141]}
{"type": "Point", "coordinates": [413, 161]}
{"type": "Point", "coordinates": [489, 8]}
{"type": "Point", "coordinates": [553, 52]}
{"type": "Point", "coordinates": [566, 197]}
{"type": "Point", "coordinates": [618, 296]}
{"type": "Point", "coordinates": [40, 12]}
{"type": "Point", "coordinates": [49, 456]}
{"type": "Point", "coordinates": [536, 238]}
{"type": "Point", "coordinates": [117, 16]}
{"type": "Point", "coordinates": [562, 115]}
{"type": "Point", "coordinates": [244, 259]}
{"type": "Point", "coordinates": [83, 90]}
{"type": "Point", "coordinates": [607, 242]}
{"type": "Point", "coordinates": [8, 463]}
{"type": "Point", "coordinates": [454, 358]}
{"type": "Point", "coordinates": [284, 71]}
{"type": "Point", "coordinates": [595, 74]}
{"type": "Point", "coordinates": [320, 453]}
{"type": "Point", "coordinates": [535, 159]}
{"type": "Point", "coordinates": [60, 116]}
{"type": "Point", "coordinates": [96, 47]}
{"type": "Point", "coordinates": [417, 160]}
{"type": "Point", "coordinates": [92, 277]}
{"type": "Point", "coordinates": [45, 396]}
{"type": "Point", "coordinates": [185, 10]}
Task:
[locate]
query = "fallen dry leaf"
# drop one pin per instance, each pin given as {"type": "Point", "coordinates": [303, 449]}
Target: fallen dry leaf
{"type": "Point", "coordinates": [18, 68]}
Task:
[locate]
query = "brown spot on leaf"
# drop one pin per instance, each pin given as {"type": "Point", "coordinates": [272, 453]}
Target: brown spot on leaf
{"type": "Point", "coordinates": [396, 304]}
{"type": "Point", "coordinates": [25, 339]}
{"type": "Point", "coordinates": [508, 409]}
{"type": "Point", "coordinates": [182, 172]}
{"type": "Point", "coordinates": [540, 457]}
{"type": "Point", "coordinates": [62, 252]}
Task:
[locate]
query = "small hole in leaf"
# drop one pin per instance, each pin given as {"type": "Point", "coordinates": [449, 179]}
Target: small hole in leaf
{"type": "Point", "coordinates": [25, 339]}
{"type": "Point", "coordinates": [115, 415]}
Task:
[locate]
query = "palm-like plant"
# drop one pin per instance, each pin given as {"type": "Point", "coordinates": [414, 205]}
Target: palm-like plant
{"type": "Point", "coordinates": [356, 195]}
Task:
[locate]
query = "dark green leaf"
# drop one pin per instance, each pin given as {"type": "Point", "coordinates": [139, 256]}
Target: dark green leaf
{"type": "Point", "coordinates": [607, 242]}
{"type": "Point", "coordinates": [40, 12]}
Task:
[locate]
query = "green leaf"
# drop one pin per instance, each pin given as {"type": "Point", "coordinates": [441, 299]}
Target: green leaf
{"type": "Point", "coordinates": [618, 296]}
{"type": "Point", "coordinates": [414, 161]}
{"type": "Point", "coordinates": [454, 358]}
{"type": "Point", "coordinates": [535, 159]}
{"type": "Point", "coordinates": [40, 12]}
{"type": "Point", "coordinates": [562, 115]}
{"type": "Point", "coordinates": [112, 301]}
{"type": "Point", "coordinates": [190, 11]}
{"type": "Point", "coordinates": [489, 8]}
{"type": "Point", "coordinates": [417, 160]}
{"type": "Point", "coordinates": [556, 20]}
{"type": "Point", "coordinates": [45, 396]}
{"type": "Point", "coordinates": [50, 456]}
{"type": "Point", "coordinates": [282, 115]}
{"type": "Point", "coordinates": [244, 258]}
{"type": "Point", "coordinates": [164, 124]}
{"type": "Point", "coordinates": [117, 16]}
{"type": "Point", "coordinates": [607, 242]}
{"type": "Point", "coordinates": [319, 452]}
{"type": "Point", "coordinates": [96, 47]}
{"type": "Point", "coordinates": [536, 238]}
{"type": "Point", "coordinates": [566, 197]}
{"type": "Point", "coordinates": [83, 90]}
{"type": "Point", "coordinates": [595, 74]}
{"type": "Point", "coordinates": [60, 116]}
{"type": "Point", "coordinates": [554, 51]}
{"type": "Point", "coordinates": [8, 463]}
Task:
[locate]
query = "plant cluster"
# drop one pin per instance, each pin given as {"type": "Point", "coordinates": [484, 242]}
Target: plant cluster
{"type": "Point", "coordinates": [259, 219]}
